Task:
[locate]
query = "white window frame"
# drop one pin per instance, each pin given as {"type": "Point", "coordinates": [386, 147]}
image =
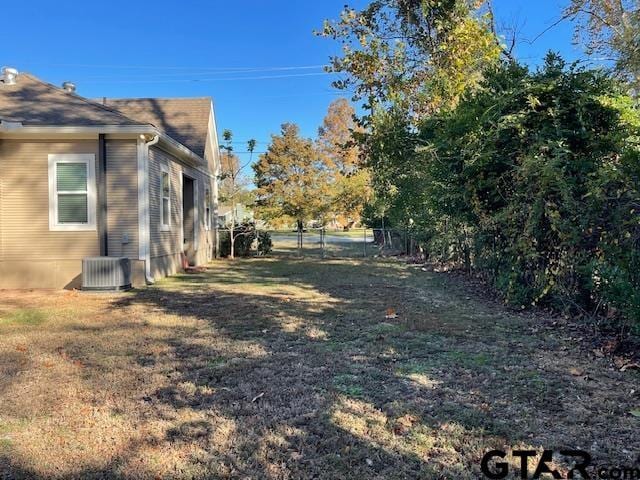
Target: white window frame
{"type": "Point", "coordinates": [207, 208]}
{"type": "Point", "coordinates": [90, 160]}
{"type": "Point", "coordinates": [165, 227]}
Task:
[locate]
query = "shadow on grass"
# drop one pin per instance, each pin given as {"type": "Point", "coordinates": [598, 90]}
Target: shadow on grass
{"type": "Point", "coordinates": [313, 382]}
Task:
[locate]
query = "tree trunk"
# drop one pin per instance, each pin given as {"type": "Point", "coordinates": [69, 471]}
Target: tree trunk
{"type": "Point", "coordinates": [232, 238]}
{"type": "Point", "coordinates": [300, 228]}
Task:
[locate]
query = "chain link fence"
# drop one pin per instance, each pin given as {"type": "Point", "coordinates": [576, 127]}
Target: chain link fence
{"type": "Point", "coordinates": [320, 242]}
{"type": "Point", "coordinates": [331, 243]}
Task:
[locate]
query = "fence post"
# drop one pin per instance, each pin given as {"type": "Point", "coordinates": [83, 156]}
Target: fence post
{"type": "Point", "coordinates": [365, 242]}
{"type": "Point", "coordinates": [406, 242]}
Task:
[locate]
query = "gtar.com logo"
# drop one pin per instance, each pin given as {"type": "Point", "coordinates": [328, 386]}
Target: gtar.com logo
{"type": "Point", "coordinates": [495, 466]}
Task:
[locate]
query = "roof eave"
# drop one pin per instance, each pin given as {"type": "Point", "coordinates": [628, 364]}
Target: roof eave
{"type": "Point", "coordinates": [178, 149]}
{"type": "Point", "coordinates": [169, 144]}
{"type": "Point", "coordinates": [68, 129]}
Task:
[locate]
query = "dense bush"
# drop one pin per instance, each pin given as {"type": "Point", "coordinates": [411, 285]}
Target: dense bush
{"type": "Point", "coordinates": [245, 234]}
{"type": "Point", "coordinates": [265, 245]}
{"type": "Point", "coordinates": [534, 181]}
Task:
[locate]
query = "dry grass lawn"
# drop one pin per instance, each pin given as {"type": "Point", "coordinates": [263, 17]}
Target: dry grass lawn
{"type": "Point", "coordinates": [287, 369]}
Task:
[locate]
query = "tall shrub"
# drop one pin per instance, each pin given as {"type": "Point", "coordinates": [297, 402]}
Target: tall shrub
{"type": "Point", "coordinates": [541, 173]}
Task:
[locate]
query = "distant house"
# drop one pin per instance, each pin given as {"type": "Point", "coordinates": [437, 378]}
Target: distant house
{"type": "Point", "coordinates": [129, 178]}
{"type": "Point", "coordinates": [225, 214]}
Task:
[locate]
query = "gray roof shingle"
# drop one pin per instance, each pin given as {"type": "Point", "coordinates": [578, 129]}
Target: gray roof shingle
{"type": "Point", "coordinates": [183, 119]}
{"type": "Point", "coordinates": [34, 102]}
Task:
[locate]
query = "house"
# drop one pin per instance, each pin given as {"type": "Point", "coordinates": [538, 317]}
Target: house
{"type": "Point", "coordinates": [79, 178]}
{"type": "Point", "coordinates": [225, 215]}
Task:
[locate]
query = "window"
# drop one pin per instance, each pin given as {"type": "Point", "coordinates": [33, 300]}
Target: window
{"type": "Point", "coordinates": [72, 192]}
{"type": "Point", "coordinates": [207, 209]}
{"type": "Point", "coordinates": [165, 204]}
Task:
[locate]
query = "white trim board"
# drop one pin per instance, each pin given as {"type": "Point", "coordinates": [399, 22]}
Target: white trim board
{"type": "Point", "coordinates": [165, 170]}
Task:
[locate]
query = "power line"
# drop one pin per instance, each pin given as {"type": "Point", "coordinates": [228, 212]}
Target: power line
{"type": "Point", "coordinates": [254, 152]}
{"type": "Point", "coordinates": [221, 79]}
{"type": "Point", "coordinates": [168, 67]}
{"type": "Point", "coordinates": [208, 72]}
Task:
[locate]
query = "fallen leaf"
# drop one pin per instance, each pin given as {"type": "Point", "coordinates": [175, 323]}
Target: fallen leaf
{"type": "Point", "coordinates": [404, 424]}
{"type": "Point", "coordinates": [21, 348]}
{"type": "Point", "coordinates": [610, 346]}
{"type": "Point", "coordinates": [629, 365]}
{"type": "Point", "coordinates": [576, 372]}
{"type": "Point", "coordinates": [257, 397]}
{"type": "Point", "coordinates": [391, 313]}
{"type": "Point", "coordinates": [619, 361]}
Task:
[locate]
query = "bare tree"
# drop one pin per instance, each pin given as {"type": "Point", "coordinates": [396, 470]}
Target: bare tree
{"type": "Point", "coordinates": [231, 188]}
{"type": "Point", "coordinates": [611, 28]}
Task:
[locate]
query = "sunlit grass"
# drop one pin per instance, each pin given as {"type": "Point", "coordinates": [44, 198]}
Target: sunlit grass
{"type": "Point", "coordinates": [288, 368]}
{"type": "Point", "coordinates": [25, 317]}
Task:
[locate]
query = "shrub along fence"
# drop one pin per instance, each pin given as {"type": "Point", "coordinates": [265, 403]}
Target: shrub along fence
{"type": "Point", "coordinates": [533, 182]}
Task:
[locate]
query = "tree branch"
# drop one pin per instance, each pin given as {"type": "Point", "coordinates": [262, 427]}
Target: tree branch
{"type": "Point", "coordinates": [506, 52]}
{"type": "Point", "coordinates": [550, 27]}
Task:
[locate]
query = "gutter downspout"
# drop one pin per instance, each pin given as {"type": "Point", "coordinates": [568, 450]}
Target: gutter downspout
{"type": "Point", "coordinates": [144, 235]}
{"type": "Point", "coordinates": [102, 196]}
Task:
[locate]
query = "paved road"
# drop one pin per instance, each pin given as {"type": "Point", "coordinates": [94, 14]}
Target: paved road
{"type": "Point", "coordinates": [315, 238]}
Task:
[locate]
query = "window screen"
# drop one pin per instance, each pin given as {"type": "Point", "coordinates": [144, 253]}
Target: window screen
{"type": "Point", "coordinates": [72, 192]}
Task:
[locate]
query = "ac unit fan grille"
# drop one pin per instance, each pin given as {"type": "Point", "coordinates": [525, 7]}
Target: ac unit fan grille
{"type": "Point", "coordinates": [106, 273]}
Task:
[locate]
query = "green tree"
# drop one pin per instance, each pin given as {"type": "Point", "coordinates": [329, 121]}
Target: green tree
{"type": "Point", "coordinates": [292, 179]}
{"type": "Point", "coordinates": [408, 59]}
{"type": "Point", "coordinates": [420, 54]}
{"type": "Point", "coordinates": [542, 173]}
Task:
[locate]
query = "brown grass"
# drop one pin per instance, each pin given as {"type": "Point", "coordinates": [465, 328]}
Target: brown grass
{"type": "Point", "coordinates": [285, 368]}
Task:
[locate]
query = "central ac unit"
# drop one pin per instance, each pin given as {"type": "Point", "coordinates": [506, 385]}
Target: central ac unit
{"type": "Point", "coordinates": [106, 273]}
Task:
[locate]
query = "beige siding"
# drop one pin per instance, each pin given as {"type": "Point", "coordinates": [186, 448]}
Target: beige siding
{"type": "Point", "coordinates": [1, 201]}
{"type": "Point", "coordinates": [40, 273]}
{"type": "Point", "coordinates": [122, 198]}
{"type": "Point", "coordinates": [32, 256]}
{"type": "Point", "coordinates": [167, 246]}
{"type": "Point", "coordinates": [164, 243]}
{"type": "Point", "coordinates": [53, 273]}
{"type": "Point", "coordinates": [211, 149]}
{"type": "Point", "coordinates": [206, 238]}
{"type": "Point", "coordinates": [24, 209]}
{"type": "Point", "coordinates": [212, 159]}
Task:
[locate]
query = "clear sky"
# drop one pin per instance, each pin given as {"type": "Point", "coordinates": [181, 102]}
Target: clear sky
{"type": "Point", "coordinates": [241, 53]}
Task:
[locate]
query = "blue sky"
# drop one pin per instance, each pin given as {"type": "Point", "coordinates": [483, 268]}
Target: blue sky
{"type": "Point", "coordinates": [210, 48]}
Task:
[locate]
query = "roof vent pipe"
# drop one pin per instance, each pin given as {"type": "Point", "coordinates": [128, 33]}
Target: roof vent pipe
{"type": "Point", "coordinates": [69, 87]}
{"type": "Point", "coordinates": [9, 75]}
